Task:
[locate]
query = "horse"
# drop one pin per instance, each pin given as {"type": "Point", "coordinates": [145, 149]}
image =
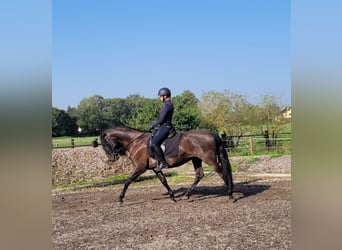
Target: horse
{"type": "Point", "coordinates": [194, 145]}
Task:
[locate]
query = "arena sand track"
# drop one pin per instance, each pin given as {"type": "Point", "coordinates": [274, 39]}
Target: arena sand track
{"type": "Point", "coordinates": [259, 218]}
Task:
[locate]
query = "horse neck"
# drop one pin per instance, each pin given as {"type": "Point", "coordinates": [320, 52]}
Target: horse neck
{"type": "Point", "coordinates": [127, 137]}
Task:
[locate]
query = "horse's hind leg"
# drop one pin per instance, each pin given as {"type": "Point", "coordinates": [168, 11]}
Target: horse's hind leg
{"type": "Point", "coordinates": [198, 175]}
{"type": "Point", "coordinates": [163, 180]}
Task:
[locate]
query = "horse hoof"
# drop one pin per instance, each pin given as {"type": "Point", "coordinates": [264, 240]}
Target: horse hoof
{"type": "Point", "coordinates": [230, 197]}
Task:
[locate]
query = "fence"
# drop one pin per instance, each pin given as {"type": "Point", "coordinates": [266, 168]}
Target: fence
{"type": "Point", "coordinates": [235, 145]}
{"type": "Point", "coordinates": [75, 142]}
{"type": "Point", "coordinates": [258, 144]}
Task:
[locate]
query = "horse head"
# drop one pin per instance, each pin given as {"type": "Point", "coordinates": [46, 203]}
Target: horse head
{"type": "Point", "coordinates": [112, 147]}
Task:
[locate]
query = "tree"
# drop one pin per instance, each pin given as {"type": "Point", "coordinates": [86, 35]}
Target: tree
{"type": "Point", "coordinates": [121, 112]}
{"type": "Point", "coordinates": [242, 115]}
{"type": "Point", "coordinates": [62, 123]}
{"type": "Point", "coordinates": [134, 104]}
{"type": "Point", "coordinates": [146, 114]}
{"type": "Point", "coordinates": [91, 115]}
{"type": "Point", "coordinates": [187, 114]}
{"type": "Point", "coordinates": [114, 112]}
{"type": "Point", "coordinates": [223, 112]}
{"type": "Point", "coordinates": [72, 112]}
{"type": "Point", "coordinates": [270, 111]}
{"type": "Point", "coordinates": [216, 109]}
{"type": "Point", "coordinates": [229, 113]}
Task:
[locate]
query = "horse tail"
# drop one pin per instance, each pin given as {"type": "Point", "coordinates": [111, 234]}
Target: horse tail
{"type": "Point", "coordinates": [225, 164]}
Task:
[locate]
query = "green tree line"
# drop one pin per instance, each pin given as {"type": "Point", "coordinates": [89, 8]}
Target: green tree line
{"type": "Point", "coordinates": [222, 112]}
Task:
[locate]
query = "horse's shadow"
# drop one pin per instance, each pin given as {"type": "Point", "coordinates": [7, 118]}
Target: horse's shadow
{"type": "Point", "coordinates": [248, 188]}
{"type": "Point", "coordinates": [241, 190]}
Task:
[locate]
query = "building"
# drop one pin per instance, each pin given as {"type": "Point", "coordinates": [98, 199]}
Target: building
{"type": "Point", "coordinates": [286, 112]}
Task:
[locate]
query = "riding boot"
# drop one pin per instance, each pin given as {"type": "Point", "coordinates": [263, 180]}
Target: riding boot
{"type": "Point", "coordinates": [159, 156]}
{"type": "Point", "coordinates": [161, 165]}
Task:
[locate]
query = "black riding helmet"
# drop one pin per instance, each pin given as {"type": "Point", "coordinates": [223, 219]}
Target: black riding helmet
{"type": "Point", "coordinates": [164, 91]}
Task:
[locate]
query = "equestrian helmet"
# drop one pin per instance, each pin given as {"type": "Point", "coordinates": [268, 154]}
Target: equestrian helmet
{"type": "Point", "coordinates": [164, 91]}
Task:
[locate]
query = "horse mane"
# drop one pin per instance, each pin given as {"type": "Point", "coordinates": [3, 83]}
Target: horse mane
{"type": "Point", "coordinates": [122, 128]}
{"type": "Point", "coordinates": [108, 145]}
{"type": "Point", "coordinates": [130, 128]}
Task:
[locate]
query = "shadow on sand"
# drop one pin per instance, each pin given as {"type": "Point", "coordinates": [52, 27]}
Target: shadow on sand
{"type": "Point", "coordinates": [241, 190]}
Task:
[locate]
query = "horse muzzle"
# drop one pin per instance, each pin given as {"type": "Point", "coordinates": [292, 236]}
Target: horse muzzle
{"type": "Point", "coordinates": [113, 157]}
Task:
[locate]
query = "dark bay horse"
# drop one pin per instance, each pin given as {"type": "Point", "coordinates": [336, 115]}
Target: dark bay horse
{"type": "Point", "coordinates": [194, 145]}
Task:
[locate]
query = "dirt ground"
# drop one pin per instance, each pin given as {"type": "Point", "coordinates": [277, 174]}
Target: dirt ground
{"type": "Point", "coordinates": [259, 217]}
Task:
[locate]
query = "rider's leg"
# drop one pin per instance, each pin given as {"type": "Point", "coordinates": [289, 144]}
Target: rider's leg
{"type": "Point", "coordinates": [157, 139]}
{"type": "Point", "coordinates": [159, 156]}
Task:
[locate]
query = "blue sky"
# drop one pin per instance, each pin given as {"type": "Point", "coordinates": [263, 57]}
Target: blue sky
{"type": "Point", "coordinates": [118, 48]}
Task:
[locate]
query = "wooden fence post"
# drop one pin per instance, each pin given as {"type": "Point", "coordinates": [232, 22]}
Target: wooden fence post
{"type": "Point", "coordinates": [251, 145]}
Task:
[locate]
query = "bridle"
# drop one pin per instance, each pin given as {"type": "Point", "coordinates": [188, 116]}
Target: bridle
{"type": "Point", "coordinates": [121, 150]}
{"type": "Point", "coordinates": [115, 152]}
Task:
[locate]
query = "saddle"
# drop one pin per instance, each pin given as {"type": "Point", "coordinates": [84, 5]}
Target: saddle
{"type": "Point", "coordinates": [169, 146]}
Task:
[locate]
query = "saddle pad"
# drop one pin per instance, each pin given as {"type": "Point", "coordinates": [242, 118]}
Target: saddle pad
{"type": "Point", "coordinates": [172, 146]}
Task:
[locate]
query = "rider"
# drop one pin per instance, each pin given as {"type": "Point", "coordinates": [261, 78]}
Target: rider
{"type": "Point", "coordinates": [165, 125]}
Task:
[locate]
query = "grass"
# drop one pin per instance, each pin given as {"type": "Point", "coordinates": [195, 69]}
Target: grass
{"type": "Point", "coordinates": [207, 169]}
{"type": "Point", "coordinates": [65, 141]}
{"type": "Point", "coordinates": [251, 160]}
{"type": "Point", "coordinates": [234, 167]}
{"type": "Point", "coordinates": [276, 154]}
{"type": "Point", "coordinates": [245, 160]}
{"type": "Point", "coordinates": [173, 178]}
{"type": "Point", "coordinates": [176, 178]}
{"type": "Point", "coordinates": [107, 181]}
{"type": "Point", "coordinates": [273, 153]}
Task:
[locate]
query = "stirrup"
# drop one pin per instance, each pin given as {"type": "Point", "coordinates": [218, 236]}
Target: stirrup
{"type": "Point", "coordinates": [161, 165]}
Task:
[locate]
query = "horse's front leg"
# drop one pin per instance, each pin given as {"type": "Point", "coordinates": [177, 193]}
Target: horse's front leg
{"type": "Point", "coordinates": [128, 182]}
{"type": "Point", "coordinates": [163, 180]}
{"type": "Point", "coordinates": [199, 175]}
